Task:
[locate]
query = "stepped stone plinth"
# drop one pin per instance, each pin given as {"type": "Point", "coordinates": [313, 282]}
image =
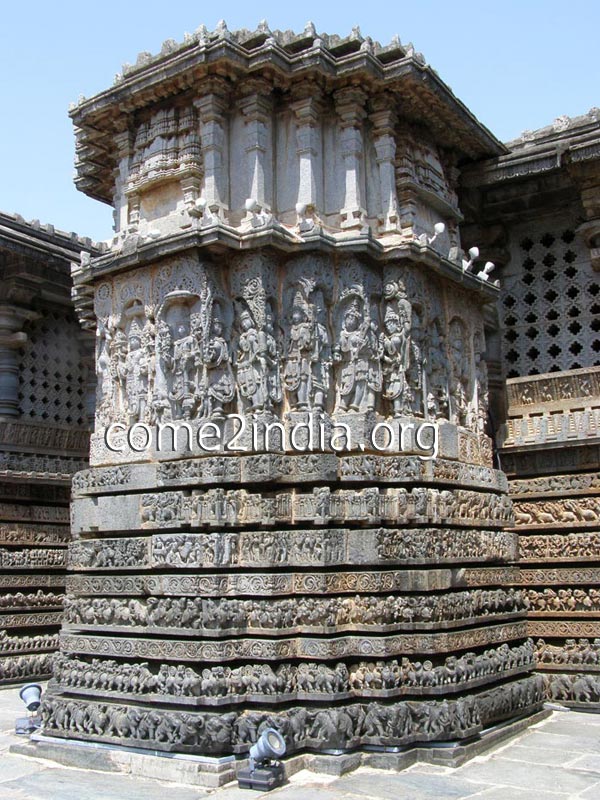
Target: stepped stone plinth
{"type": "Point", "coordinates": [287, 255]}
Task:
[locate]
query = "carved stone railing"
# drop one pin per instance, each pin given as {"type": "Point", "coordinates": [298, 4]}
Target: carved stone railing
{"type": "Point", "coordinates": [555, 407]}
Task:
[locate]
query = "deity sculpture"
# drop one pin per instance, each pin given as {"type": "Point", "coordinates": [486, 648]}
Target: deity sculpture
{"type": "Point", "coordinates": [135, 374]}
{"type": "Point", "coordinates": [358, 351]}
{"type": "Point", "coordinates": [179, 364]}
{"type": "Point", "coordinates": [218, 381]}
{"type": "Point", "coordinates": [437, 400]}
{"type": "Point", "coordinates": [307, 359]}
{"type": "Point", "coordinates": [395, 346]}
{"type": "Point", "coordinates": [251, 365]}
{"type": "Point", "coordinates": [459, 380]}
{"type": "Point", "coordinates": [416, 373]}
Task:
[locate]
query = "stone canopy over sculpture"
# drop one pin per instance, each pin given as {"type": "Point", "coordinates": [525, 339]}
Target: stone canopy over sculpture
{"type": "Point", "coordinates": [279, 251]}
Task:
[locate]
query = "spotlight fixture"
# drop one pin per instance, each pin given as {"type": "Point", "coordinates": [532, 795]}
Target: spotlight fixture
{"type": "Point", "coordinates": [31, 695]}
{"type": "Point", "coordinates": [264, 771]}
{"type": "Point", "coordinates": [198, 207]}
{"type": "Point", "coordinates": [487, 270]}
{"type": "Point", "coordinates": [438, 229]}
{"type": "Point", "coordinates": [473, 255]}
{"type": "Point", "coordinates": [256, 215]}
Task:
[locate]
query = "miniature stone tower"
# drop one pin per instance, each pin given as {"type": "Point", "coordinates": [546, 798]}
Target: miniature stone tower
{"type": "Point", "coordinates": [287, 256]}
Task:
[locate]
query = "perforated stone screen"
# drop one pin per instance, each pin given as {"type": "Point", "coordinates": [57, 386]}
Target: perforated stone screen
{"type": "Point", "coordinates": [550, 302]}
{"type": "Point", "coordinates": [52, 378]}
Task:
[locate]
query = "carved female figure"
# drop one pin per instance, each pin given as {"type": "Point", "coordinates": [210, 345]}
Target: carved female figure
{"type": "Point", "coordinates": [251, 365]}
{"type": "Point", "coordinates": [105, 384]}
{"type": "Point", "coordinates": [395, 343]}
{"type": "Point", "coordinates": [481, 400]}
{"type": "Point", "coordinates": [417, 356]}
{"type": "Point", "coordinates": [271, 354]}
{"type": "Point", "coordinates": [118, 372]}
{"type": "Point", "coordinates": [320, 362]}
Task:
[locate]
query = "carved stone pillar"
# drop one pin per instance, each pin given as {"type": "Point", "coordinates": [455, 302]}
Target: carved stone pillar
{"type": "Point", "coordinates": [127, 206]}
{"type": "Point", "coordinates": [307, 107]}
{"type": "Point", "coordinates": [211, 110]}
{"type": "Point", "coordinates": [350, 104]}
{"type": "Point", "coordinates": [383, 118]}
{"type": "Point", "coordinates": [12, 338]}
{"type": "Point", "coordinates": [257, 106]}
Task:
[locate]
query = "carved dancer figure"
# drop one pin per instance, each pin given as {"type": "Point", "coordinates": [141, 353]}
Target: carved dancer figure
{"type": "Point", "coordinates": [106, 389]}
{"type": "Point", "coordinates": [416, 372]}
{"type": "Point", "coordinates": [118, 371]}
{"type": "Point", "coordinates": [271, 356]}
{"type": "Point", "coordinates": [480, 402]}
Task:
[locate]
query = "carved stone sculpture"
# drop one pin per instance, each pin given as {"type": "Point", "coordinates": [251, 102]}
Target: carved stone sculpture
{"type": "Point", "coordinates": [324, 550]}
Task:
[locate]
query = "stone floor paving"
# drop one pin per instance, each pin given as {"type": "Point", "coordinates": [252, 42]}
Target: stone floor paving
{"type": "Point", "coordinates": [557, 758]}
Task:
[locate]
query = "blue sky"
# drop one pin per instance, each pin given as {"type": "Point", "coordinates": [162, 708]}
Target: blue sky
{"type": "Point", "coordinates": [517, 65]}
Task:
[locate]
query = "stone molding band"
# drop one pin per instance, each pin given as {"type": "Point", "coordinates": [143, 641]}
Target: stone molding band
{"type": "Point", "coordinates": [277, 649]}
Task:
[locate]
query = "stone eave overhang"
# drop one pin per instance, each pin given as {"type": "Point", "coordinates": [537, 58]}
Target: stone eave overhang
{"type": "Point", "coordinates": [35, 262]}
{"type": "Point", "coordinates": [39, 242]}
{"type": "Point", "coordinates": [422, 96]}
{"type": "Point", "coordinates": [219, 239]}
{"type": "Point", "coordinates": [544, 153]}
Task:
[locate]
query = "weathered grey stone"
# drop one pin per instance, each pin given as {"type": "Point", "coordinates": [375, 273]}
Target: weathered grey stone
{"type": "Point", "coordinates": [287, 267]}
{"type": "Point", "coordinates": [44, 433]}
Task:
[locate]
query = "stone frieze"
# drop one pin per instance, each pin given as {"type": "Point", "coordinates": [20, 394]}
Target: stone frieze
{"type": "Point", "coordinates": [300, 614]}
{"type": "Point", "coordinates": [256, 683]}
{"type": "Point", "coordinates": [306, 648]}
{"type": "Point", "coordinates": [344, 727]}
{"type": "Point", "coordinates": [289, 548]}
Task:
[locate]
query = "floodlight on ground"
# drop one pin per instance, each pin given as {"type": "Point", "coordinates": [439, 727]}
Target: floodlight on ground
{"type": "Point", "coordinates": [31, 695]}
{"type": "Point", "coordinates": [264, 772]}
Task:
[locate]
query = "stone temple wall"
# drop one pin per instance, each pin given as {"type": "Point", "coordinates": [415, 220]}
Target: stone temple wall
{"type": "Point", "coordinates": [280, 258]}
{"type": "Point", "coordinates": [551, 454]}
{"type": "Point", "coordinates": [540, 206]}
{"type": "Point", "coordinates": [44, 434]}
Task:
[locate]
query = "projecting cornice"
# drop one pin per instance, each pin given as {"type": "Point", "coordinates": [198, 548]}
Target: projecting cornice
{"type": "Point", "coordinates": [285, 61]}
{"type": "Point", "coordinates": [567, 141]}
